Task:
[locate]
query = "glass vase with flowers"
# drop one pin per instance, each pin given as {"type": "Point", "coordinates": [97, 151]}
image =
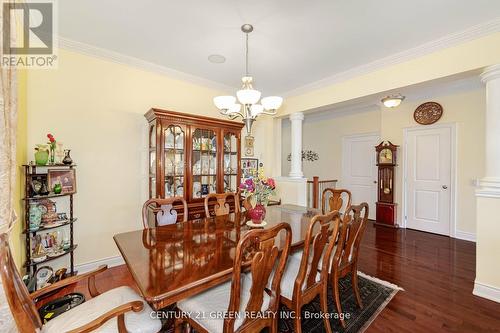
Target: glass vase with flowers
{"type": "Point", "coordinates": [52, 146]}
{"type": "Point", "coordinates": [257, 191]}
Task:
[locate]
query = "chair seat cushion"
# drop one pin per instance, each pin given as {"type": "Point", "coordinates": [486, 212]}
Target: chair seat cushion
{"type": "Point", "coordinates": [298, 256]}
{"type": "Point", "coordinates": [136, 322]}
{"type": "Point", "coordinates": [208, 308]}
{"type": "Point", "coordinates": [290, 275]}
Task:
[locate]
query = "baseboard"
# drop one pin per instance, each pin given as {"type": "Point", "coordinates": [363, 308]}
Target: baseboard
{"type": "Point", "coordinates": [486, 291]}
{"type": "Point", "coordinates": [464, 235]}
{"type": "Point", "coordinates": [91, 265]}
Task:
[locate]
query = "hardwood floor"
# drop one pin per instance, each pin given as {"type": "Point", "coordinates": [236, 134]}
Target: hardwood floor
{"type": "Point", "coordinates": [436, 272]}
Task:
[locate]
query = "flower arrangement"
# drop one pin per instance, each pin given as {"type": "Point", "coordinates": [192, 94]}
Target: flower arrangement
{"type": "Point", "coordinates": [52, 146]}
{"type": "Point", "coordinates": [258, 189]}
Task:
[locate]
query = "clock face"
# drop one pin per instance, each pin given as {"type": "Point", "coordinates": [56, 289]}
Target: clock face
{"type": "Point", "coordinates": [385, 156]}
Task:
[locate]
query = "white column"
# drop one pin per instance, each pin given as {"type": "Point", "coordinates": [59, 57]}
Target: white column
{"type": "Point", "coordinates": [296, 140]}
{"type": "Point", "coordinates": [487, 282]}
{"type": "Point", "coordinates": [491, 180]}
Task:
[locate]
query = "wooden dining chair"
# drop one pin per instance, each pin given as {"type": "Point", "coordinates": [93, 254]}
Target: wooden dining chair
{"type": "Point", "coordinates": [333, 199]}
{"type": "Point", "coordinates": [302, 280]}
{"type": "Point", "coordinates": [117, 310]}
{"type": "Point", "coordinates": [222, 206]}
{"type": "Point", "coordinates": [346, 262]}
{"type": "Point", "coordinates": [164, 212]}
{"type": "Point", "coordinates": [249, 304]}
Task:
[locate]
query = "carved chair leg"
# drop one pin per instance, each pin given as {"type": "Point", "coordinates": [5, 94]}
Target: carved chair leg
{"type": "Point", "coordinates": [336, 294]}
{"type": "Point", "coordinates": [296, 321]}
{"type": "Point", "coordinates": [355, 286]}
{"type": "Point", "coordinates": [324, 308]}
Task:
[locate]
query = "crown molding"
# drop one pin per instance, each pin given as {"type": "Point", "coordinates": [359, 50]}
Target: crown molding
{"type": "Point", "coordinates": [119, 58]}
{"type": "Point", "coordinates": [448, 41]}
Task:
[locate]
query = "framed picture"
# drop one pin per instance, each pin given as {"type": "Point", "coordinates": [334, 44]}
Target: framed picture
{"type": "Point", "coordinates": [65, 177]}
{"type": "Point", "coordinates": [249, 166]}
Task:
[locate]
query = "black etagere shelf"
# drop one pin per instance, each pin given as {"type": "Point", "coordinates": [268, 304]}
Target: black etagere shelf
{"type": "Point", "coordinates": [32, 171]}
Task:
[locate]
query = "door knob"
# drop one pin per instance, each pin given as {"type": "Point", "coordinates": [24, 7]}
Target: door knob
{"type": "Point", "coordinates": [444, 187]}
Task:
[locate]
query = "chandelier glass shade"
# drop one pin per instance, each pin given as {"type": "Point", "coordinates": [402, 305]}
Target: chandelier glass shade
{"type": "Point", "coordinates": [246, 103]}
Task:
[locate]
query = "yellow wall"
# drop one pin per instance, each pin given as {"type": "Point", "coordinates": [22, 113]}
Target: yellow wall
{"type": "Point", "coordinates": [465, 57]}
{"type": "Point", "coordinates": [488, 249]}
{"type": "Point", "coordinates": [17, 237]}
{"type": "Point", "coordinates": [467, 110]}
{"type": "Point", "coordinates": [324, 135]}
{"type": "Point", "coordinates": [95, 107]}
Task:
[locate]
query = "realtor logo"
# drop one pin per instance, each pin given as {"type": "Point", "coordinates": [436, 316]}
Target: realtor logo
{"type": "Point", "coordinates": [28, 32]}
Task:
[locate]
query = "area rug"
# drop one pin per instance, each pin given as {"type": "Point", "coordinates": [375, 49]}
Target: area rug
{"type": "Point", "coordinates": [375, 294]}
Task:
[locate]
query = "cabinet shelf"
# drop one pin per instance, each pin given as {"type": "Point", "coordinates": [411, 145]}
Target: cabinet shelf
{"type": "Point", "coordinates": [49, 165]}
{"type": "Point", "coordinates": [50, 195]}
{"type": "Point", "coordinates": [44, 228]}
{"type": "Point", "coordinates": [30, 171]}
{"type": "Point", "coordinates": [32, 263]}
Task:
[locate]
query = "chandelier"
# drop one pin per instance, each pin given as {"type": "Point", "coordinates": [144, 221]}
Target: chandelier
{"type": "Point", "coordinates": [248, 107]}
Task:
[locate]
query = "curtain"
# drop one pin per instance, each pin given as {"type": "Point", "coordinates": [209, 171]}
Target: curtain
{"type": "Point", "coordinates": [8, 129]}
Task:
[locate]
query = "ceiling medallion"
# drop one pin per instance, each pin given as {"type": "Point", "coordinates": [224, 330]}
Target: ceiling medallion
{"type": "Point", "coordinates": [248, 107]}
{"type": "Point", "coordinates": [428, 113]}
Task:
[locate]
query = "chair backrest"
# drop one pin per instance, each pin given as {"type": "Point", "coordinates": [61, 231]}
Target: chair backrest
{"type": "Point", "coordinates": [22, 307]}
{"type": "Point", "coordinates": [163, 211]}
{"type": "Point", "coordinates": [333, 199]}
{"type": "Point", "coordinates": [222, 206]}
{"type": "Point", "coordinates": [353, 227]}
{"type": "Point", "coordinates": [322, 235]}
{"type": "Point", "coordinates": [259, 251]}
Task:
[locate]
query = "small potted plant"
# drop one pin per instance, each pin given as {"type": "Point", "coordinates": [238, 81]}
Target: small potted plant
{"type": "Point", "coordinates": [257, 191]}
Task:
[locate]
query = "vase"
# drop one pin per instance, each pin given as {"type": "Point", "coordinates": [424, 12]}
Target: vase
{"type": "Point", "coordinates": [52, 154]}
{"type": "Point", "coordinates": [57, 188]}
{"type": "Point", "coordinates": [59, 153]}
{"type": "Point", "coordinates": [257, 213]}
{"type": "Point", "coordinates": [41, 154]}
{"type": "Point", "coordinates": [67, 159]}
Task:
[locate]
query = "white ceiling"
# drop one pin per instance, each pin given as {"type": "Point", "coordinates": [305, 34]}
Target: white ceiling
{"type": "Point", "coordinates": [295, 42]}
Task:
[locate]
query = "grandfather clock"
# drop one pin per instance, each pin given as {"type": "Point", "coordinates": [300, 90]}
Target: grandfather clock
{"type": "Point", "coordinates": [386, 162]}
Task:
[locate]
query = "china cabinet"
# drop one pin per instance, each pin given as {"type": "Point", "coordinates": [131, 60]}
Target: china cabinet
{"type": "Point", "coordinates": [192, 156]}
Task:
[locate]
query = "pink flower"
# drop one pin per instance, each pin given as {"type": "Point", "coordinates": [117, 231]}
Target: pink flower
{"type": "Point", "coordinates": [271, 183]}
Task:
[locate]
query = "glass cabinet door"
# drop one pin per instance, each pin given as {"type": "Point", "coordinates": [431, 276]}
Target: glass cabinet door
{"type": "Point", "coordinates": [204, 163]}
{"type": "Point", "coordinates": [152, 161]}
{"type": "Point", "coordinates": [230, 162]}
{"type": "Point", "coordinates": [174, 162]}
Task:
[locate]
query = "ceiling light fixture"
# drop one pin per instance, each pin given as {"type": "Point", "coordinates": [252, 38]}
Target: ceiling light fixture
{"type": "Point", "coordinates": [393, 100]}
{"type": "Point", "coordinates": [248, 107]}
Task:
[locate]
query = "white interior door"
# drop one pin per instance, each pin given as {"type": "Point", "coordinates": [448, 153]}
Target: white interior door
{"type": "Point", "coordinates": [428, 179]}
{"type": "Point", "coordinates": [359, 171]}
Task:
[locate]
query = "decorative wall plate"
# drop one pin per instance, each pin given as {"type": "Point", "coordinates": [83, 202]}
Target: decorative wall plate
{"type": "Point", "coordinates": [428, 113]}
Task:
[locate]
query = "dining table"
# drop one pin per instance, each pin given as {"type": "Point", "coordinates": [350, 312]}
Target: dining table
{"type": "Point", "coordinates": [172, 262]}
